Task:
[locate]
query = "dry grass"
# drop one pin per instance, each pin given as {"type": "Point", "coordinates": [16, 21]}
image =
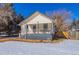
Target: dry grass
{"type": "Point", "coordinates": [57, 40]}
{"type": "Point", "coordinates": [31, 40]}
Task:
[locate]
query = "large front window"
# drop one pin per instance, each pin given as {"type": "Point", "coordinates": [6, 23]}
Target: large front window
{"type": "Point", "coordinates": [45, 26]}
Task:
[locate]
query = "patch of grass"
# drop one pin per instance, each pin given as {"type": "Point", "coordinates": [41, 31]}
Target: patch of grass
{"type": "Point", "coordinates": [57, 40]}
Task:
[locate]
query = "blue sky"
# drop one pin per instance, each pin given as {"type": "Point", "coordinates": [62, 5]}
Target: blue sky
{"type": "Point", "coordinates": [27, 9]}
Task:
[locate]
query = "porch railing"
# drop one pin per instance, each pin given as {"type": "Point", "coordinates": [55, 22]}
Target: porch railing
{"type": "Point", "coordinates": [41, 31]}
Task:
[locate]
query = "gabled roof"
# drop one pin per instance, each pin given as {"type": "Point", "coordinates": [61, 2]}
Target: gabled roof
{"type": "Point", "coordinates": [33, 16]}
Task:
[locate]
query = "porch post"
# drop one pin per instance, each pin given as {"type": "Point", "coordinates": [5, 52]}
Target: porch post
{"type": "Point", "coordinates": [26, 30]}
{"type": "Point", "coordinates": [38, 27]}
{"type": "Point", "coordinates": [53, 30]}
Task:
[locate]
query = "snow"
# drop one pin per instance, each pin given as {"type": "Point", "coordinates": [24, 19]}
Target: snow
{"type": "Point", "coordinates": [66, 47]}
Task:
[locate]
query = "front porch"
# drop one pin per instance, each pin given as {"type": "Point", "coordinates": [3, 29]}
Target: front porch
{"type": "Point", "coordinates": [44, 28]}
{"type": "Point", "coordinates": [37, 31]}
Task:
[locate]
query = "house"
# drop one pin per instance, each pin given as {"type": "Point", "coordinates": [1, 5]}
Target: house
{"type": "Point", "coordinates": [37, 26]}
{"type": "Point", "coordinates": [75, 30]}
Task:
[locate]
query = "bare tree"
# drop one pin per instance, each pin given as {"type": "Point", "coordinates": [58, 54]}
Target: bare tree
{"type": "Point", "coordinates": [60, 16]}
{"type": "Point", "coordinates": [8, 18]}
{"type": "Point", "coordinates": [19, 18]}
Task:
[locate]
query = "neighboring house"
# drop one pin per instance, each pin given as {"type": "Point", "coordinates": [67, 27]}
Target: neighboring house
{"type": "Point", "coordinates": [75, 30]}
{"type": "Point", "coordinates": [37, 26]}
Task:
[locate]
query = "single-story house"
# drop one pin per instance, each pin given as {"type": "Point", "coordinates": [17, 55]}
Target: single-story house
{"type": "Point", "coordinates": [37, 26]}
{"type": "Point", "coordinates": [75, 31]}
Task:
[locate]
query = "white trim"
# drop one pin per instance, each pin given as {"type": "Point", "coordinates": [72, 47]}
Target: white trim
{"type": "Point", "coordinates": [33, 16]}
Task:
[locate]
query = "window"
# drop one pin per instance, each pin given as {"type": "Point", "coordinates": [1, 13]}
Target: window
{"type": "Point", "coordinates": [27, 26]}
{"type": "Point", "coordinates": [34, 28]}
{"type": "Point", "coordinates": [45, 26]}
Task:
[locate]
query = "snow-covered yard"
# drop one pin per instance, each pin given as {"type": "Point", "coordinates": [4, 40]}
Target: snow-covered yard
{"type": "Point", "coordinates": [65, 47]}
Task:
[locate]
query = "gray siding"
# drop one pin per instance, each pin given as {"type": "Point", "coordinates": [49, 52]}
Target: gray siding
{"type": "Point", "coordinates": [37, 36]}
